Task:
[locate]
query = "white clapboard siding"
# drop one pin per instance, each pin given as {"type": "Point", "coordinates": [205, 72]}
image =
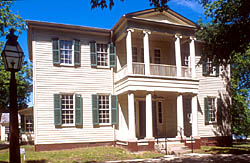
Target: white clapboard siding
{"type": "Point", "coordinates": [208, 86]}
{"type": "Point", "coordinates": [82, 80]}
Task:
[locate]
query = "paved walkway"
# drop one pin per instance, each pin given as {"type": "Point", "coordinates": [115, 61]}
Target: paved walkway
{"type": "Point", "coordinates": [195, 158]}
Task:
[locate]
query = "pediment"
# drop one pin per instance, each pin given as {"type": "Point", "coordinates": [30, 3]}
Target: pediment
{"type": "Point", "coordinates": [167, 17]}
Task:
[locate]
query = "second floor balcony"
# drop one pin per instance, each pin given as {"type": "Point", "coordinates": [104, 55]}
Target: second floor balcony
{"type": "Point", "coordinates": [160, 70]}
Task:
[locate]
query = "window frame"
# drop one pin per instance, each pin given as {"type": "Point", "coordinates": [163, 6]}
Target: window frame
{"type": "Point", "coordinates": [108, 59]}
{"type": "Point", "coordinates": [110, 120]}
{"type": "Point", "coordinates": [158, 115]}
{"type": "Point", "coordinates": [71, 124]}
{"type": "Point", "coordinates": [73, 53]}
{"type": "Point", "coordinates": [212, 110]}
{"type": "Point", "coordinates": [25, 123]}
{"type": "Point", "coordinates": [133, 54]}
{"type": "Point", "coordinates": [157, 57]}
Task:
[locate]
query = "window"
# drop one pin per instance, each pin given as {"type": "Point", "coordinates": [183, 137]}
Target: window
{"type": "Point", "coordinates": [102, 55]}
{"type": "Point", "coordinates": [67, 109]}
{"type": "Point", "coordinates": [209, 69]}
{"type": "Point", "coordinates": [210, 110]}
{"type": "Point", "coordinates": [66, 52]}
{"type": "Point", "coordinates": [157, 56]}
{"type": "Point", "coordinates": [104, 109]}
{"type": "Point", "coordinates": [160, 114]}
{"type": "Point", "coordinates": [134, 54]}
{"type": "Point", "coordinates": [7, 129]}
{"type": "Point", "coordinates": [29, 123]}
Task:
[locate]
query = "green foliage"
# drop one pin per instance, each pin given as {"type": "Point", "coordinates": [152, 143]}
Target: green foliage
{"type": "Point", "coordinates": [226, 34]}
{"type": "Point", "coordinates": [24, 77]}
{"type": "Point", "coordinates": [240, 93]}
{"type": "Point", "coordinates": [227, 30]}
{"type": "Point", "coordinates": [159, 4]}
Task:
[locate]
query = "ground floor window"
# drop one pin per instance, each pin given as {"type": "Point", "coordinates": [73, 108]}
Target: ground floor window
{"type": "Point", "coordinates": [29, 123]}
{"type": "Point", "coordinates": [67, 109]}
{"type": "Point", "coordinates": [210, 109]}
{"type": "Point", "coordinates": [103, 107]}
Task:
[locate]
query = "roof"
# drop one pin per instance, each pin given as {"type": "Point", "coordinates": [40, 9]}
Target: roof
{"type": "Point", "coordinates": [168, 17]}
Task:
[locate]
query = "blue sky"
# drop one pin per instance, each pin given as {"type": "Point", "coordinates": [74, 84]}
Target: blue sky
{"type": "Point", "coordinates": [78, 12]}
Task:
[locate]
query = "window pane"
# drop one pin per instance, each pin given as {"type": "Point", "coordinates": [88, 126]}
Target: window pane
{"type": "Point", "coordinates": [66, 52]}
{"type": "Point", "coordinates": [67, 109]}
{"type": "Point", "coordinates": [102, 54]}
{"type": "Point", "coordinates": [103, 105]}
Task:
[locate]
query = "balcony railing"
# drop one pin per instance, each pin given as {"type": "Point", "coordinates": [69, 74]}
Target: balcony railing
{"type": "Point", "coordinates": [155, 69]}
{"type": "Point", "coordinates": [162, 70]}
{"type": "Point", "coordinates": [138, 68]}
{"type": "Point", "coordinates": [185, 72]}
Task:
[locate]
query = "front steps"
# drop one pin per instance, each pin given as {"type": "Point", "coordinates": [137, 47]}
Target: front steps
{"type": "Point", "coordinates": [171, 147]}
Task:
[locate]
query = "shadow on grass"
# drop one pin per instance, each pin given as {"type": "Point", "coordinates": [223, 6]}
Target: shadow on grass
{"type": "Point", "coordinates": [4, 146]}
{"type": "Point", "coordinates": [36, 161]}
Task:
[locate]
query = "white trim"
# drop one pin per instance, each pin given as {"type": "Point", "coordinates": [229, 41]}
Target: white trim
{"type": "Point", "coordinates": [71, 124]}
{"type": "Point", "coordinates": [73, 54]}
{"type": "Point", "coordinates": [100, 66]}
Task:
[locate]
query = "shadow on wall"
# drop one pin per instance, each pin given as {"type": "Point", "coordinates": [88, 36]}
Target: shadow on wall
{"type": "Point", "coordinates": [223, 128]}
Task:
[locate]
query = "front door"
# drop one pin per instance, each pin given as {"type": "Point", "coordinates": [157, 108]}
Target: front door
{"type": "Point", "coordinates": [187, 112]}
{"type": "Point", "coordinates": [142, 119]}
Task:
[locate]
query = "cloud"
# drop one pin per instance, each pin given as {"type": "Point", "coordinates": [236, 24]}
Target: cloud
{"type": "Point", "coordinates": [192, 4]}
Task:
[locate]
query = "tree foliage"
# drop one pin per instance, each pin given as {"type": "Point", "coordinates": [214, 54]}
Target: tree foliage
{"type": "Point", "coordinates": [8, 20]}
{"type": "Point", "coordinates": [159, 4]}
{"type": "Point", "coordinates": [226, 34]}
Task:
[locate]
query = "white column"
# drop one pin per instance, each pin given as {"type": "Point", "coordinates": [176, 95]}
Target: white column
{"type": "Point", "coordinates": [180, 116]}
{"type": "Point", "coordinates": [146, 52]}
{"type": "Point", "coordinates": [149, 117]}
{"type": "Point", "coordinates": [192, 56]}
{"type": "Point", "coordinates": [129, 51]}
{"type": "Point", "coordinates": [194, 116]}
{"type": "Point", "coordinates": [178, 54]}
{"type": "Point", "coordinates": [131, 116]}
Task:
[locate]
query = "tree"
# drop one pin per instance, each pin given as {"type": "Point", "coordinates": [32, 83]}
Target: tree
{"type": "Point", "coordinates": [158, 4]}
{"type": "Point", "coordinates": [226, 34]}
{"type": "Point", "coordinates": [8, 20]}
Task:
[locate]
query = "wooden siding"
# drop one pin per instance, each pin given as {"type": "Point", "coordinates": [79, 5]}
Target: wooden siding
{"type": "Point", "coordinates": [208, 86]}
{"type": "Point", "coordinates": [84, 80]}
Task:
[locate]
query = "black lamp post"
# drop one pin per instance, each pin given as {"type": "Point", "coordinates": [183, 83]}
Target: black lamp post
{"type": "Point", "coordinates": [13, 57]}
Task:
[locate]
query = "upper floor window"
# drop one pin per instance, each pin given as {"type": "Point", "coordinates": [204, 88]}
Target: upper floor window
{"type": "Point", "coordinates": [66, 52]}
{"type": "Point", "coordinates": [134, 54]}
{"type": "Point", "coordinates": [102, 55]}
{"type": "Point", "coordinates": [157, 56]}
{"type": "Point", "coordinates": [209, 69]}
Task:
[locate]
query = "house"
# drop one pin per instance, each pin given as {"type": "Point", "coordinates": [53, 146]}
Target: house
{"type": "Point", "coordinates": [25, 120]}
{"type": "Point", "coordinates": [135, 85]}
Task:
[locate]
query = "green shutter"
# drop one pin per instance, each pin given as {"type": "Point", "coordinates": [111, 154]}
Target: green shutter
{"type": "Point", "coordinates": [78, 110]}
{"type": "Point", "coordinates": [95, 111]}
{"type": "Point", "coordinates": [56, 51]}
{"type": "Point", "coordinates": [77, 52]}
{"type": "Point", "coordinates": [112, 55]}
{"type": "Point", "coordinates": [219, 110]}
{"type": "Point", "coordinates": [114, 109]}
{"type": "Point", "coordinates": [217, 70]}
{"type": "Point", "coordinates": [206, 110]}
{"type": "Point", "coordinates": [93, 54]}
{"type": "Point", "coordinates": [57, 110]}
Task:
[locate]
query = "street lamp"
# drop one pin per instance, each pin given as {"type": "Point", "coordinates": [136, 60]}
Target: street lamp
{"type": "Point", "coordinates": [12, 56]}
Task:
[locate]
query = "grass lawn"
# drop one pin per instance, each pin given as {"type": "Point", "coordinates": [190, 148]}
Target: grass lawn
{"type": "Point", "coordinates": [91, 154]}
{"type": "Point", "coordinates": [237, 148]}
